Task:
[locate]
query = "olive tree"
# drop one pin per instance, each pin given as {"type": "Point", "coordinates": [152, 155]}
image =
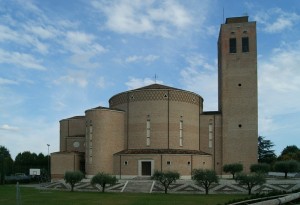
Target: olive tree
{"type": "Point", "coordinates": [251, 180]}
{"type": "Point", "coordinates": [102, 179]}
{"type": "Point", "coordinates": [286, 167]}
{"type": "Point", "coordinates": [260, 168]}
{"type": "Point", "coordinates": [205, 178]}
{"type": "Point", "coordinates": [73, 177]}
{"type": "Point", "coordinates": [166, 178]}
{"type": "Point", "coordinates": [233, 168]}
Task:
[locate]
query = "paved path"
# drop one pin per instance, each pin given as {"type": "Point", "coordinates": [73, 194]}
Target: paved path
{"type": "Point", "coordinates": [181, 186]}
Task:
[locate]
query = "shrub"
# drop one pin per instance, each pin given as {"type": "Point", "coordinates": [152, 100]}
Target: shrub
{"type": "Point", "coordinates": [205, 178]}
{"type": "Point", "coordinates": [251, 180]}
{"type": "Point", "coordinates": [260, 168]}
{"type": "Point", "coordinates": [286, 167]}
{"type": "Point", "coordinates": [166, 178]}
{"type": "Point", "coordinates": [73, 177]}
{"type": "Point", "coordinates": [233, 168]}
{"type": "Point", "coordinates": [103, 179]}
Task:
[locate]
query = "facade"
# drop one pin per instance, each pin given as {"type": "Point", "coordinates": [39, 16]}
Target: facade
{"type": "Point", "coordinates": [164, 128]}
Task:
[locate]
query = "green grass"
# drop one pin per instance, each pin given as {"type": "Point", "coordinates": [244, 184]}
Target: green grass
{"type": "Point", "coordinates": [32, 196]}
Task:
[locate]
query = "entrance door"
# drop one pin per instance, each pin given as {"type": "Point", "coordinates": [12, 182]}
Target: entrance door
{"type": "Point", "coordinates": [146, 168]}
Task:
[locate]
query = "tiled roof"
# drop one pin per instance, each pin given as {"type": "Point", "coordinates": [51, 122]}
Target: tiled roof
{"type": "Point", "coordinates": [157, 86]}
{"type": "Point", "coordinates": [161, 151]}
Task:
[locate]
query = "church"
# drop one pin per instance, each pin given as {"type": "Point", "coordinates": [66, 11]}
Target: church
{"type": "Point", "coordinates": [163, 128]}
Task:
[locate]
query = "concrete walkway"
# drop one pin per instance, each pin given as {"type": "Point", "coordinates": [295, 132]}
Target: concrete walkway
{"type": "Point", "coordinates": [227, 186]}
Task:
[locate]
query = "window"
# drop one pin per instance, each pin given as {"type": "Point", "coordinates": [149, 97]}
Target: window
{"type": "Point", "coordinates": [180, 133]}
{"type": "Point", "coordinates": [210, 134]}
{"type": "Point", "coordinates": [232, 45]}
{"type": "Point", "coordinates": [126, 163]}
{"type": "Point", "coordinates": [148, 132]}
{"type": "Point", "coordinates": [245, 44]}
{"type": "Point", "coordinates": [168, 162]}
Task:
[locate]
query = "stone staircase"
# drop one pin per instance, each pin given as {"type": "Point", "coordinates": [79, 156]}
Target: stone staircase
{"type": "Point", "coordinates": [139, 186]}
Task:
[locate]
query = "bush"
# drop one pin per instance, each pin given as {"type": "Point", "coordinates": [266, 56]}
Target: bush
{"type": "Point", "coordinates": [260, 168]}
{"type": "Point", "coordinates": [286, 167]}
{"type": "Point", "coordinates": [103, 179]}
{"type": "Point", "coordinates": [166, 178]}
{"type": "Point", "coordinates": [73, 177]}
{"type": "Point", "coordinates": [233, 168]}
{"type": "Point", "coordinates": [205, 178]}
{"type": "Point", "coordinates": [251, 180]}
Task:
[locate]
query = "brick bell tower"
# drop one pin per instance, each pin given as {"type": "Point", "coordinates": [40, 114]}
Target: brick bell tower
{"type": "Point", "coordinates": [237, 67]}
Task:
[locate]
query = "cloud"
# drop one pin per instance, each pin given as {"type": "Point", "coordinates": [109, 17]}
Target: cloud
{"type": "Point", "coordinates": [279, 80]}
{"type": "Point", "coordinates": [4, 81]}
{"type": "Point", "coordinates": [276, 20]}
{"type": "Point", "coordinates": [78, 78]}
{"type": "Point", "coordinates": [84, 48]}
{"type": "Point", "coordinates": [8, 128]}
{"type": "Point", "coordinates": [137, 17]}
{"type": "Point", "coordinates": [103, 83]}
{"type": "Point", "coordinates": [148, 59]}
{"type": "Point", "coordinates": [21, 60]}
{"type": "Point", "coordinates": [134, 83]}
{"type": "Point", "coordinates": [201, 77]}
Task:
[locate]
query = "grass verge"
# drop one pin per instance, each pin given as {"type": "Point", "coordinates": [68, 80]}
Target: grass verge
{"type": "Point", "coordinates": [32, 196]}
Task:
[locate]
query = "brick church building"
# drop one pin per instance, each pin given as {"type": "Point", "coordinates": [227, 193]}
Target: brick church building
{"type": "Point", "coordinates": [164, 128]}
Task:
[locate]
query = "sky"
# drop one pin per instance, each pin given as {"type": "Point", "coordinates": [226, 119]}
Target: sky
{"type": "Point", "coordinates": [60, 58]}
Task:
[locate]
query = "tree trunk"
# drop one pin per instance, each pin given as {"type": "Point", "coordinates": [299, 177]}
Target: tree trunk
{"type": "Point", "coordinates": [249, 191]}
{"type": "Point", "coordinates": [103, 188]}
{"type": "Point", "coordinates": [285, 175]}
{"type": "Point", "coordinates": [166, 190]}
{"type": "Point", "coordinates": [206, 190]}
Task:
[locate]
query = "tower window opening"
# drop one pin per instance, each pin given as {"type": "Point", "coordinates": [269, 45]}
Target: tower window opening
{"type": "Point", "coordinates": [232, 45]}
{"type": "Point", "coordinates": [148, 132]}
{"type": "Point", "coordinates": [180, 133]}
{"type": "Point", "coordinates": [245, 44]}
{"type": "Point", "coordinates": [210, 135]}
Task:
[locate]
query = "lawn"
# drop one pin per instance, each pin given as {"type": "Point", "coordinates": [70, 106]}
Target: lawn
{"type": "Point", "coordinates": [32, 196]}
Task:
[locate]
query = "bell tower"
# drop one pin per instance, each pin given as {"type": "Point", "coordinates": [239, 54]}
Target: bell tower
{"type": "Point", "coordinates": [237, 67]}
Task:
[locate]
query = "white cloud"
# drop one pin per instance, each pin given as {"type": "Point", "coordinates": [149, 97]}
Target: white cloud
{"type": "Point", "coordinates": [8, 128]}
{"type": "Point", "coordinates": [21, 59]}
{"type": "Point", "coordinates": [78, 78]}
{"type": "Point", "coordinates": [201, 77]}
{"type": "Point", "coordinates": [147, 59]}
{"type": "Point", "coordinates": [134, 83]}
{"type": "Point", "coordinates": [41, 31]}
{"type": "Point", "coordinates": [4, 81]}
{"type": "Point", "coordinates": [279, 81]}
{"type": "Point", "coordinates": [103, 83]}
{"type": "Point", "coordinates": [136, 17]}
{"type": "Point", "coordinates": [84, 47]}
{"type": "Point", "coordinates": [276, 20]}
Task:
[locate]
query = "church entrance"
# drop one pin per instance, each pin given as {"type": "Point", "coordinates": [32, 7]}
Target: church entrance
{"type": "Point", "coordinates": [146, 168]}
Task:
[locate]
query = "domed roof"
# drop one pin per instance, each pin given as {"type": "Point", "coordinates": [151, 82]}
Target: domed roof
{"type": "Point", "coordinates": [156, 87]}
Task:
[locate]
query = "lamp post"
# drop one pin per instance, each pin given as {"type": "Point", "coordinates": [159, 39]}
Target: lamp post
{"type": "Point", "coordinates": [48, 161]}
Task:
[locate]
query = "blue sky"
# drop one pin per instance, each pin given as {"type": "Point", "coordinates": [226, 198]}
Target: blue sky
{"type": "Point", "coordinates": [60, 58]}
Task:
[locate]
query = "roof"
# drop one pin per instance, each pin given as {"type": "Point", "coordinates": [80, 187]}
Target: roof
{"type": "Point", "coordinates": [104, 108]}
{"type": "Point", "coordinates": [241, 19]}
{"type": "Point", "coordinates": [161, 151]}
{"type": "Point", "coordinates": [157, 86]}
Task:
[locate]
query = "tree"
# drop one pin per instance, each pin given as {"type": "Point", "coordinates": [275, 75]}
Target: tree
{"type": "Point", "coordinates": [260, 168]}
{"type": "Point", "coordinates": [286, 167]}
{"type": "Point", "coordinates": [233, 168]}
{"type": "Point", "coordinates": [205, 178]}
{"type": "Point", "coordinates": [73, 177]}
{"type": "Point", "coordinates": [6, 163]}
{"type": "Point", "coordinates": [265, 152]}
{"type": "Point", "coordinates": [103, 179]}
{"type": "Point", "coordinates": [290, 153]}
{"type": "Point", "coordinates": [166, 178]}
{"type": "Point", "coordinates": [250, 180]}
